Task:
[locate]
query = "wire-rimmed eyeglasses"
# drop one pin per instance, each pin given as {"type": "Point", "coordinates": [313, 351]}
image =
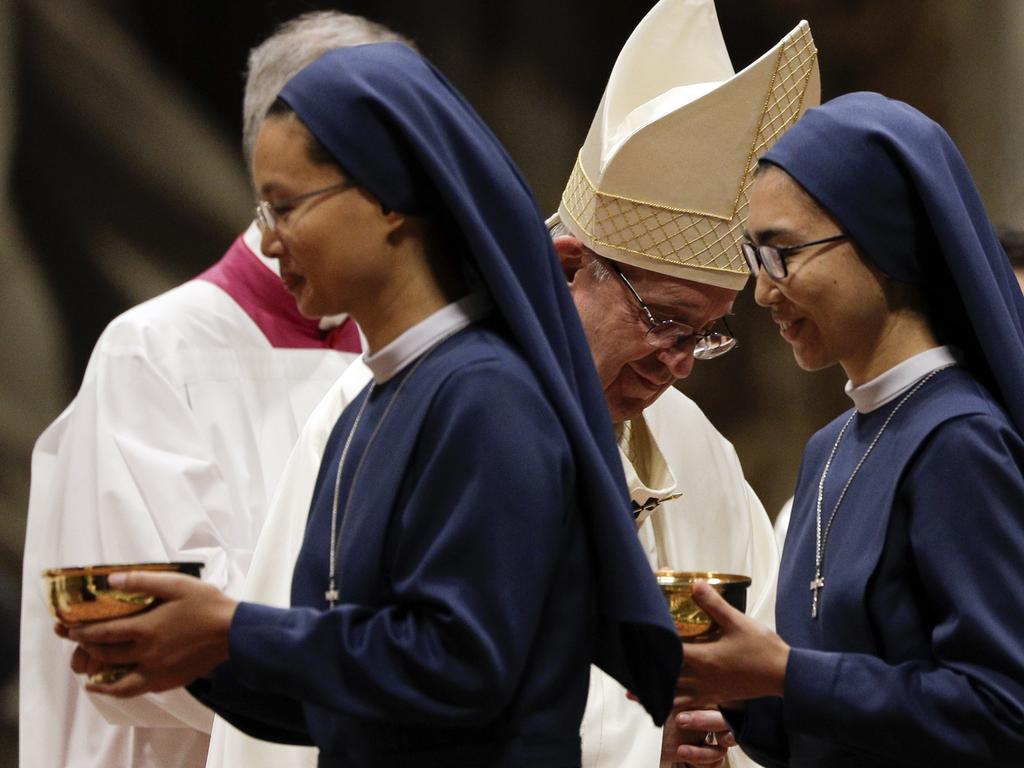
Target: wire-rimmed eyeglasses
{"type": "Point", "coordinates": [773, 258]}
{"type": "Point", "coordinates": [668, 333]}
{"type": "Point", "coordinates": [270, 214]}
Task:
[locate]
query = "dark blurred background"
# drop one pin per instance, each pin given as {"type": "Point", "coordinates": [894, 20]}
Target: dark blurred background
{"type": "Point", "coordinates": [122, 175]}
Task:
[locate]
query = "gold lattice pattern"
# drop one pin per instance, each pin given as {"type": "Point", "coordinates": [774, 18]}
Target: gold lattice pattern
{"type": "Point", "coordinates": [692, 238]}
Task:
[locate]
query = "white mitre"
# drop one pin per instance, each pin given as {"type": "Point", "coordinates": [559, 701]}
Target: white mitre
{"type": "Point", "coordinates": [663, 179]}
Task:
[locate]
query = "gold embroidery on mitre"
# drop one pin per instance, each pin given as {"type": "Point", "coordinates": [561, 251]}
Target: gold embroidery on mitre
{"type": "Point", "coordinates": [686, 237]}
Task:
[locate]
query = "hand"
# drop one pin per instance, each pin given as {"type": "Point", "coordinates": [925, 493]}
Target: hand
{"type": "Point", "coordinates": [685, 738]}
{"type": "Point", "coordinates": [81, 662]}
{"type": "Point", "coordinates": [746, 662]}
{"type": "Point", "coordinates": [181, 638]}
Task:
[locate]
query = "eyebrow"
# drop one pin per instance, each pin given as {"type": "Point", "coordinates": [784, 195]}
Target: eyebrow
{"type": "Point", "coordinates": [765, 236]}
{"type": "Point", "coordinates": [276, 187]}
{"type": "Point", "coordinates": [268, 189]}
{"type": "Point", "coordinates": [682, 304]}
{"type": "Point", "coordinates": [675, 309]}
{"type": "Point", "coordinates": [667, 307]}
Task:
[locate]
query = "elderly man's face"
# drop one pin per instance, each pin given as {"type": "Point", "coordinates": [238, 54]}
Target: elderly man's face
{"type": "Point", "coordinates": [633, 373]}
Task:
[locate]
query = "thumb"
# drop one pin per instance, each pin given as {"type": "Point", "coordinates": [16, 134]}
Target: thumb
{"type": "Point", "coordinates": [714, 605]}
{"type": "Point", "coordinates": [165, 586]}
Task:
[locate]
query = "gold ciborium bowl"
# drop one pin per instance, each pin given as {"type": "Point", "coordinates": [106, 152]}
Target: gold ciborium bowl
{"type": "Point", "coordinates": [692, 623]}
{"type": "Point", "coordinates": [80, 595]}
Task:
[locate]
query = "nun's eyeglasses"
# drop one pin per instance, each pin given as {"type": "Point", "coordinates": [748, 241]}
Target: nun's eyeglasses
{"type": "Point", "coordinates": [269, 215]}
{"type": "Point", "coordinates": [773, 258]}
{"type": "Point", "coordinates": [664, 334]}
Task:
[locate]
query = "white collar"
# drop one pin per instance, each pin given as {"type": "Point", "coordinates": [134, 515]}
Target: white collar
{"type": "Point", "coordinates": [252, 237]}
{"type": "Point", "coordinates": [898, 379]}
{"type": "Point", "coordinates": [413, 342]}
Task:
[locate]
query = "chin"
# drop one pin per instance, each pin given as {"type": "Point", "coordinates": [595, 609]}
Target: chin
{"type": "Point", "coordinates": [630, 409]}
{"type": "Point", "coordinates": [621, 414]}
{"type": "Point", "coordinates": [314, 310]}
{"type": "Point", "coordinates": [812, 362]}
{"type": "Point", "coordinates": [303, 302]}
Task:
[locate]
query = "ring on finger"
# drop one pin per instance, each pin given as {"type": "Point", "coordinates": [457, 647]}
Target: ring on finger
{"type": "Point", "coordinates": [113, 673]}
{"type": "Point", "coordinates": [711, 739]}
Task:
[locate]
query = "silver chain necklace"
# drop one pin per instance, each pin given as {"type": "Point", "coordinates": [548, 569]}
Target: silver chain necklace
{"type": "Point", "coordinates": [818, 583]}
{"type": "Point", "coordinates": [332, 588]}
{"type": "Point", "coordinates": [331, 594]}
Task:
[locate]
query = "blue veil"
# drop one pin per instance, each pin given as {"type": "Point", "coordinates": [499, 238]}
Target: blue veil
{"type": "Point", "coordinates": [400, 130]}
{"type": "Point", "coordinates": [898, 186]}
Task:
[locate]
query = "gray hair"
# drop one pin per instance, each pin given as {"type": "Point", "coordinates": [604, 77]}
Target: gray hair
{"type": "Point", "coordinates": [558, 229]}
{"type": "Point", "coordinates": [597, 266]}
{"type": "Point", "coordinates": [293, 45]}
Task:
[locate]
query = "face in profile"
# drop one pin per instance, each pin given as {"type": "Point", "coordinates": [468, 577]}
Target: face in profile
{"type": "Point", "coordinates": [634, 374]}
{"type": "Point", "coordinates": [831, 307]}
{"type": "Point", "coordinates": [332, 246]}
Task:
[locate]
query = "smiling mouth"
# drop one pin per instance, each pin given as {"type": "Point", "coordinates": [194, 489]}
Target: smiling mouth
{"type": "Point", "coordinates": [648, 382]}
{"type": "Point", "coordinates": [789, 329]}
{"type": "Point", "coordinates": [291, 281]}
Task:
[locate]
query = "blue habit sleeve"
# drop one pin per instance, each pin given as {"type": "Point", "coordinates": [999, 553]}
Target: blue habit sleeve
{"type": "Point", "coordinates": [266, 717]}
{"type": "Point", "coordinates": [965, 705]}
{"type": "Point", "coordinates": [760, 731]}
{"type": "Point", "coordinates": [483, 509]}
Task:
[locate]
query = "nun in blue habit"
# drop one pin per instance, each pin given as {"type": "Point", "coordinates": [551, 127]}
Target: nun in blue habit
{"type": "Point", "coordinates": [451, 591]}
{"type": "Point", "coordinates": [900, 611]}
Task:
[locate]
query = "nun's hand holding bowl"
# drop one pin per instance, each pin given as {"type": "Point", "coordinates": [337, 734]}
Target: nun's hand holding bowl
{"type": "Point", "coordinates": [180, 639]}
{"type": "Point", "coordinates": [747, 661]}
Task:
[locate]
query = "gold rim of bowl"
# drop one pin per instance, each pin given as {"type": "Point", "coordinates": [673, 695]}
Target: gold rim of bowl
{"type": "Point", "coordinates": [667, 578]}
{"type": "Point", "coordinates": [106, 570]}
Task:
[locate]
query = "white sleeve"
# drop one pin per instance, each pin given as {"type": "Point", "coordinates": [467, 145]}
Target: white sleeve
{"type": "Point", "coordinates": [717, 523]}
{"type": "Point", "coordinates": [270, 576]}
{"type": "Point", "coordinates": [764, 560]}
{"type": "Point", "coordinates": [781, 525]}
{"type": "Point", "coordinates": [124, 476]}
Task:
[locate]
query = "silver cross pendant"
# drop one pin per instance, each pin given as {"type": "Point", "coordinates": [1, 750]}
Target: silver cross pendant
{"type": "Point", "coordinates": [817, 583]}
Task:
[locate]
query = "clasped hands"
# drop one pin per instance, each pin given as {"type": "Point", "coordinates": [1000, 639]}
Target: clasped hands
{"type": "Point", "coordinates": [180, 639]}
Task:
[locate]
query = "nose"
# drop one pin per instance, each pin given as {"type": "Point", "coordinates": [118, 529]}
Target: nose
{"type": "Point", "coordinates": [765, 290]}
{"type": "Point", "coordinates": [270, 243]}
{"type": "Point", "coordinates": [678, 360]}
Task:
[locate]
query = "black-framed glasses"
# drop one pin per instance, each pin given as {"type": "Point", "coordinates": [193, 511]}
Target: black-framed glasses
{"type": "Point", "coordinates": [269, 215]}
{"type": "Point", "coordinates": [664, 334]}
{"type": "Point", "coordinates": [773, 258]}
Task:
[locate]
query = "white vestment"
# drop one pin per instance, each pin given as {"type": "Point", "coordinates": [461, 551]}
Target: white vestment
{"type": "Point", "coordinates": [270, 575]}
{"type": "Point", "coordinates": [708, 520]}
{"type": "Point", "coordinates": [713, 521]}
{"type": "Point", "coordinates": [170, 451]}
{"type": "Point", "coordinates": [782, 523]}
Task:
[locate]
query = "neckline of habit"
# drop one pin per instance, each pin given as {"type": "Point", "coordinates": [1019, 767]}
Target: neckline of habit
{"type": "Point", "coordinates": [886, 387]}
{"type": "Point", "coordinates": [394, 357]}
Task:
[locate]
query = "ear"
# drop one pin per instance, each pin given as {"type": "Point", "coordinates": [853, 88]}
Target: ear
{"type": "Point", "coordinates": [394, 219]}
{"type": "Point", "coordinates": [572, 254]}
{"type": "Point", "coordinates": [394, 225]}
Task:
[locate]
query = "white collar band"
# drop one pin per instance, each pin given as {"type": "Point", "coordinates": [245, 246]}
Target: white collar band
{"type": "Point", "coordinates": [898, 379]}
{"type": "Point", "coordinates": [450, 319]}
